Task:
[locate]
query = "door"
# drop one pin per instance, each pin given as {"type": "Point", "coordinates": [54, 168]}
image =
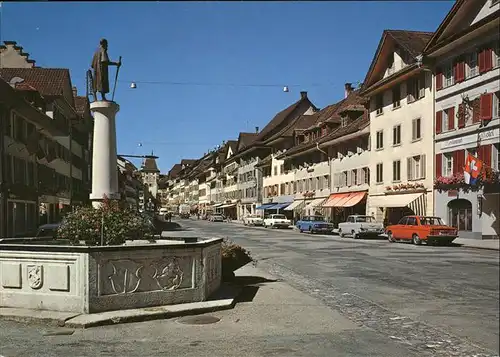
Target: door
{"type": "Point", "coordinates": [410, 227]}
{"type": "Point", "coordinates": [398, 230]}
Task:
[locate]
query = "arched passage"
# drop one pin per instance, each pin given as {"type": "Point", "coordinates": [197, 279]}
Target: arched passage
{"type": "Point", "coordinates": [460, 214]}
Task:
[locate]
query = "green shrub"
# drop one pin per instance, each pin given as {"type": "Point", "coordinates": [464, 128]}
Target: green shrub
{"type": "Point", "coordinates": [233, 257]}
{"type": "Point", "coordinates": [112, 221]}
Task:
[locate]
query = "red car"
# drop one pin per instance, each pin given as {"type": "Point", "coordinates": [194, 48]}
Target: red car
{"type": "Point", "coordinates": [418, 229]}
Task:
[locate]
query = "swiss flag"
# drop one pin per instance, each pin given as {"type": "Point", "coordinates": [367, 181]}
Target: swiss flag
{"type": "Point", "coordinates": [472, 169]}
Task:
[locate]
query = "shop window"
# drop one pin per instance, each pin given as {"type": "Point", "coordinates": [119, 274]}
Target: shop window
{"type": "Point", "coordinates": [460, 214]}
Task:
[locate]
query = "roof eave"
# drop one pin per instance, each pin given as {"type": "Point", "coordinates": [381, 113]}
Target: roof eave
{"type": "Point", "coordinates": [388, 80]}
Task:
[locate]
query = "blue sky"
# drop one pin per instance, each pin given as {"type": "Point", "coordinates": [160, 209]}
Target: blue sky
{"type": "Point", "coordinates": [311, 46]}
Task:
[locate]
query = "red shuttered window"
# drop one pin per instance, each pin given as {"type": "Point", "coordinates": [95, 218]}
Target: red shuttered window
{"type": "Point", "coordinates": [485, 60]}
{"type": "Point", "coordinates": [439, 79]}
{"type": "Point", "coordinates": [486, 106]}
{"type": "Point", "coordinates": [439, 122]}
{"type": "Point", "coordinates": [459, 71]}
{"type": "Point", "coordinates": [451, 118]}
{"type": "Point", "coordinates": [461, 116]}
{"type": "Point", "coordinates": [476, 111]}
{"type": "Point", "coordinates": [484, 154]}
{"type": "Point", "coordinates": [458, 161]}
{"type": "Point", "coordinates": [439, 165]}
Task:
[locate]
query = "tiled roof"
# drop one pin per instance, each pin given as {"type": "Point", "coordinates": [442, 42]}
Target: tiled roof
{"type": "Point", "coordinates": [360, 123]}
{"type": "Point", "coordinates": [280, 118]}
{"type": "Point", "coordinates": [246, 139]}
{"type": "Point", "coordinates": [412, 41]}
{"type": "Point", "coordinates": [301, 122]}
{"type": "Point", "coordinates": [174, 171]}
{"type": "Point", "coordinates": [81, 104]}
{"type": "Point", "coordinates": [48, 81]}
{"type": "Point", "coordinates": [188, 162]}
{"type": "Point", "coordinates": [149, 165]}
{"type": "Point", "coordinates": [328, 114]}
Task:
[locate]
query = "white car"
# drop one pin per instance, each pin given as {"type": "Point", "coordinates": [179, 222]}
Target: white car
{"type": "Point", "coordinates": [358, 226]}
{"type": "Point", "coordinates": [216, 218]}
{"type": "Point", "coordinates": [253, 220]}
{"type": "Point", "coordinates": [277, 221]}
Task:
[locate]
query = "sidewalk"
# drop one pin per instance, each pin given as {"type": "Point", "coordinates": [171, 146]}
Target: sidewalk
{"type": "Point", "coordinates": [493, 244]}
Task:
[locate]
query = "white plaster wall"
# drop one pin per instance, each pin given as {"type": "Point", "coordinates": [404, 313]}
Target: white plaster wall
{"type": "Point", "coordinates": [423, 109]}
{"type": "Point", "coordinates": [486, 10]}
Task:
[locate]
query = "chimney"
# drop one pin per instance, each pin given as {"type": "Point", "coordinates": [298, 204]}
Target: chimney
{"type": "Point", "coordinates": [75, 92]}
{"type": "Point", "coordinates": [256, 129]}
{"type": "Point", "coordinates": [348, 89]}
{"type": "Point", "coordinates": [303, 95]}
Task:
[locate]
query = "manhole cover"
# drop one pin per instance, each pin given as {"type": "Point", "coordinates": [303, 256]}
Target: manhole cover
{"type": "Point", "coordinates": [198, 320]}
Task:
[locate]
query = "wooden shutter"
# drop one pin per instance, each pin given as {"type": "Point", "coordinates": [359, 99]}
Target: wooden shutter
{"type": "Point", "coordinates": [409, 171]}
{"type": "Point", "coordinates": [451, 118]}
{"type": "Point", "coordinates": [488, 59]}
{"type": "Point", "coordinates": [461, 116]}
{"type": "Point", "coordinates": [476, 110]}
{"type": "Point", "coordinates": [484, 153]}
{"type": "Point", "coordinates": [481, 61]}
{"type": "Point", "coordinates": [421, 88]}
{"type": "Point", "coordinates": [439, 121]}
{"type": "Point", "coordinates": [460, 71]}
{"type": "Point", "coordinates": [458, 161]}
{"type": "Point", "coordinates": [439, 79]}
{"type": "Point", "coordinates": [362, 176]}
{"type": "Point", "coordinates": [486, 106]}
{"type": "Point", "coordinates": [422, 166]}
{"type": "Point", "coordinates": [439, 165]}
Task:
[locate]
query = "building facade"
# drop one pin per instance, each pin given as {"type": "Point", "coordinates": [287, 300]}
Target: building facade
{"type": "Point", "coordinates": [401, 99]}
{"type": "Point", "coordinates": [465, 55]}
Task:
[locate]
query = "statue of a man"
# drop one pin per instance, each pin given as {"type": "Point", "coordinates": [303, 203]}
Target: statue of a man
{"type": "Point", "coordinates": [100, 64]}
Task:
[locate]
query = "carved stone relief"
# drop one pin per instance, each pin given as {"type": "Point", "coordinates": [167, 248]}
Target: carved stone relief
{"type": "Point", "coordinates": [35, 276]}
{"type": "Point", "coordinates": [125, 276]}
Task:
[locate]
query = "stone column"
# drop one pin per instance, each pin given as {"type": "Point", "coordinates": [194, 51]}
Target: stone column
{"type": "Point", "coordinates": [104, 164]}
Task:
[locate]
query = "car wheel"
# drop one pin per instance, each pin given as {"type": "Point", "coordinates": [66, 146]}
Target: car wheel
{"type": "Point", "coordinates": [354, 235]}
{"type": "Point", "coordinates": [341, 234]}
{"type": "Point", "coordinates": [416, 239]}
{"type": "Point", "coordinates": [390, 238]}
{"type": "Point", "coordinates": [311, 230]}
{"type": "Point", "coordinates": [300, 229]}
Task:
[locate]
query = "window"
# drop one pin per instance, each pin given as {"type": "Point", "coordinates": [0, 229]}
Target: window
{"type": "Point", "coordinates": [396, 171]}
{"type": "Point", "coordinates": [496, 158]}
{"type": "Point", "coordinates": [415, 88]}
{"type": "Point", "coordinates": [496, 105]}
{"type": "Point", "coordinates": [412, 221]}
{"type": "Point", "coordinates": [275, 170]}
{"type": "Point", "coordinates": [344, 121]}
{"type": "Point", "coordinates": [496, 54]}
{"type": "Point", "coordinates": [354, 177]}
{"type": "Point", "coordinates": [416, 132]}
{"type": "Point", "coordinates": [380, 139]}
{"type": "Point", "coordinates": [396, 97]}
{"type": "Point", "coordinates": [282, 169]}
{"type": "Point", "coordinates": [380, 173]}
{"type": "Point", "coordinates": [379, 104]}
{"type": "Point", "coordinates": [471, 65]}
{"type": "Point", "coordinates": [448, 75]}
{"type": "Point", "coordinates": [390, 65]}
{"type": "Point", "coordinates": [396, 135]}
{"type": "Point", "coordinates": [416, 167]}
{"type": "Point", "coordinates": [366, 175]}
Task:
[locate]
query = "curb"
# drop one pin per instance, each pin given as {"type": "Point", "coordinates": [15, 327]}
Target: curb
{"type": "Point", "coordinates": [83, 321]}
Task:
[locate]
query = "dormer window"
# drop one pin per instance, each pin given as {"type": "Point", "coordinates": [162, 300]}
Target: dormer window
{"type": "Point", "coordinates": [324, 131]}
{"type": "Point", "coordinates": [344, 121]}
{"type": "Point", "coordinates": [390, 65]}
{"type": "Point", "coordinates": [379, 104]}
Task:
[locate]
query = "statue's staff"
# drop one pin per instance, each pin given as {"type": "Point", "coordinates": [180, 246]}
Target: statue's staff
{"type": "Point", "coordinates": [116, 78]}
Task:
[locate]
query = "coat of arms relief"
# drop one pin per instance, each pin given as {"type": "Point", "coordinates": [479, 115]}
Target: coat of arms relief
{"type": "Point", "coordinates": [35, 276]}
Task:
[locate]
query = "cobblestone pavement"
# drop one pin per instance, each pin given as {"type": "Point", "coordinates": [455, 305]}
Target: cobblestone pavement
{"type": "Point", "coordinates": [437, 301]}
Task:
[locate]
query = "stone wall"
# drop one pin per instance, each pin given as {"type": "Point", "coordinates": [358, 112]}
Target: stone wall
{"type": "Point", "coordinates": [96, 279]}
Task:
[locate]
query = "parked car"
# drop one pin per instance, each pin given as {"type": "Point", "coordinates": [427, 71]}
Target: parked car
{"type": "Point", "coordinates": [276, 221]}
{"type": "Point", "coordinates": [253, 220]}
{"type": "Point", "coordinates": [314, 224]}
{"type": "Point", "coordinates": [359, 226]}
{"type": "Point", "coordinates": [216, 218]}
{"type": "Point", "coordinates": [418, 229]}
{"type": "Point", "coordinates": [48, 230]}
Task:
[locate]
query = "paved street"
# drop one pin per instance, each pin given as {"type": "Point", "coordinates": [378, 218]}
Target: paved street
{"type": "Point", "coordinates": [333, 297]}
{"type": "Point", "coordinates": [440, 293]}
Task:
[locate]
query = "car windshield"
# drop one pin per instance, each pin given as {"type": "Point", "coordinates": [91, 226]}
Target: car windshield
{"type": "Point", "coordinates": [253, 216]}
{"type": "Point", "coordinates": [431, 221]}
{"type": "Point", "coordinates": [279, 216]}
{"type": "Point", "coordinates": [365, 219]}
{"type": "Point", "coordinates": [317, 218]}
